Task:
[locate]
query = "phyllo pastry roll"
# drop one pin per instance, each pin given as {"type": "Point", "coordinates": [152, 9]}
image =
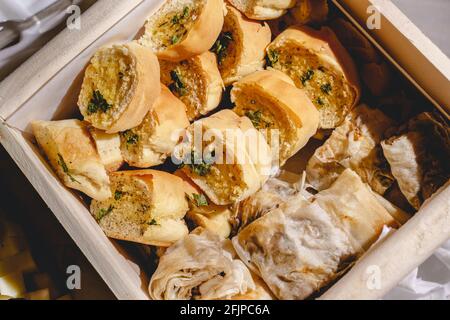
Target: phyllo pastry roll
{"type": "Point", "coordinates": [201, 266]}
{"type": "Point", "coordinates": [182, 29]}
{"type": "Point", "coordinates": [263, 9]}
{"type": "Point", "coordinates": [241, 46]}
{"type": "Point", "coordinates": [419, 156]}
{"type": "Point", "coordinates": [73, 155]}
{"type": "Point", "coordinates": [121, 83]}
{"type": "Point", "coordinates": [146, 206]}
{"type": "Point", "coordinates": [272, 102]}
{"type": "Point", "coordinates": [196, 82]}
{"type": "Point", "coordinates": [153, 141]}
{"type": "Point", "coordinates": [318, 63]}
{"type": "Point", "coordinates": [354, 145]}
{"type": "Point", "coordinates": [233, 160]}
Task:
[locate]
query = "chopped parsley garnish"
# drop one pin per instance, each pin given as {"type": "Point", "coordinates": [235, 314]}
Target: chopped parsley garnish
{"type": "Point", "coordinates": [326, 88]}
{"type": "Point", "coordinates": [221, 46]}
{"type": "Point", "coordinates": [256, 117]}
{"type": "Point", "coordinates": [65, 168]}
{"type": "Point", "coordinates": [272, 57]}
{"type": "Point", "coordinates": [203, 168]}
{"type": "Point", "coordinates": [200, 200]}
{"type": "Point", "coordinates": [130, 137]}
{"type": "Point", "coordinates": [175, 38]}
{"type": "Point", "coordinates": [153, 223]}
{"type": "Point", "coordinates": [320, 102]}
{"type": "Point", "coordinates": [104, 212]}
{"type": "Point", "coordinates": [180, 17]}
{"type": "Point", "coordinates": [118, 195]}
{"type": "Point", "coordinates": [222, 274]}
{"type": "Point", "coordinates": [177, 86]}
{"type": "Point", "coordinates": [308, 75]}
{"type": "Point", "coordinates": [98, 103]}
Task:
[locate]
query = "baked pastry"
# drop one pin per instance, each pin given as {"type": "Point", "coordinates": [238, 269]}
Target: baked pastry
{"type": "Point", "coordinates": [234, 162]}
{"type": "Point", "coordinates": [73, 155]}
{"type": "Point", "coordinates": [240, 48]}
{"type": "Point", "coordinates": [147, 207]}
{"type": "Point", "coordinates": [205, 214]}
{"type": "Point", "coordinates": [356, 145]}
{"type": "Point", "coordinates": [318, 63]}
{"type": "Point", "coordinates": [182, 29]}
{"type": "Point", "coordinates": [296, 249]}
{"type": "Point", "coordinates": [310, 11]}
{"type": "Point", "coordinates": [356, 209]}
{"type": "Point", "coordinates": [153, 141]}
{"type": "Point", "coordinates": [419, 154]}
{"type": "Point", "coordinates": [108, 148]}
{"type": "Point", "coordinates": [272, 102]}
{"type": "Point", "coordinates": [196, 82]}
{"type": "Point", "coordinates": [263, 9]}
{"type": "Point", "coordinates": [121, 83]}
{"type": "Point", "coordinates": [201, 266]}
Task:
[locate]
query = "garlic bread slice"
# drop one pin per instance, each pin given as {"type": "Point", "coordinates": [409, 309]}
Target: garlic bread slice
{"type": "Point", "coordinates": [146, 206]}
{"type": "Point", "coordinates": [318, 63]}
{"type": "Point", "coordinates": [121, 83]}
{"type": "Point", "coordinates": [73, 155]}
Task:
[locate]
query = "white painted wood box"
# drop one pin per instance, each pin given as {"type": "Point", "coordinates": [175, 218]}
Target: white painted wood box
{"type": "Point", "coordinates": [46, 87]}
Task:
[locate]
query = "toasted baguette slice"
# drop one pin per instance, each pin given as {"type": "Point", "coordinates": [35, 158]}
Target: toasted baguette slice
{"type": "Point", "coordinates": [147, 207]}
{"type": "Point", "coordinates": [235, 161]}
{"type": "Point", "coordinates": [120, 85]}
{"type": "Point", "coordinates": [108, 148]}
{"type": "Point", "coordinates": [318, 63]}
{"type": "Point", "coordinates": [272, 102]}
{"type": "Point", "coordinates": [72, 154]}
{"type": "Point", "coordinates": [241, 46]}
{"type": "Point", "coordinates": [263, 9]}
{"type": "Point", "coordinates": [182, 29]}
{"type": "Point", "coordinates": [196, 82]}
{"type": "Point", "coordinates": [150, 143]}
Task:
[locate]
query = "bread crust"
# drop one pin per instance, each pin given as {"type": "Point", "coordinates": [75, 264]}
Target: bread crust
{"type": "Point", "coordinates": [169, 206]}
{"type": "Point", "coordinates": [108, 148]}
{"type": "Point", "coordinates": [208, 63]}
{"type": "Point", "coordinates": [168, 116]}
{"type": "Point", "coordinates": [73, 155]}
{"type": "Point", "coordinates": [325, 45]}
{"type": "Point", "coordinates": [254, 38]}
{"type": "Point", "coordinates": [200, 37]}
{"type": "Point", "coordinates": [145, 90]}
{"type": "Point", "coordinates": [263, 9]}
{"type": "Point", "coordinates": [298, 107]}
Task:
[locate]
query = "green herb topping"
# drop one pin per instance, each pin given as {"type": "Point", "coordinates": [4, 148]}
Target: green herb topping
{"type": "Point", "coordinates": [98, 103]}
{"type": "Point", "coordinates": [326, 88]}
{"type": "Point", "coordinates": [200, 200]}
{"type": "Point", "coordinates": [221, 46]}
{"type": "Point", "coordinates": [320, 102]}
{"type": "Point", "coordinates": [65, 168]}
{"type": "Point", "coordinates": [130, 137]}
{"type": "Point", "coordinates": [272, 57]}
{"type": "Point", "coordinates": [104, 212]}
{"type": "Point", "coordinates": [256, 117]}
{"type": "Point", "coordinates": [177, 86]}
{"type": "Point", "coordinates": [203, 168]}
{"type": "Point", "coordinates": [118, 195]}
{"type": "Point", "coordinates": [308, 75]}
{"type": "Point", "coordinates": [153, 223]}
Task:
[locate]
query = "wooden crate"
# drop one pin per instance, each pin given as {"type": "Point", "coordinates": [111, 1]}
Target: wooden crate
{"type": "Point", "coordinates": [46, 87]}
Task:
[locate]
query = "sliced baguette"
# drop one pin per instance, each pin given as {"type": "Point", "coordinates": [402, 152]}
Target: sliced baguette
{"type": "Point", "coordinates": [241, 46]}
{"type": "Point", "coordinates": [150, 143]}
{"type": "Point", "coordinates": [318, 63]}
{"type": "Point", "coordinates": [196, 82]}
{"type": "Point", "coordinates": [263, 9]}
{"type": "Point", "coordinates": [272, 102]}
{"type": "Point", "coordinates": [108, 148]}
{"type": "Point", "coordinates": [182, 29]}
{"type": "Point", "coordinates": [241, 162]}
{"type": "Point", "coordinates": [147, 207]}
{"type": "Point", "coordinates": [120, 85]}
{"type": "Point", "coordinates": [73, 155]}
